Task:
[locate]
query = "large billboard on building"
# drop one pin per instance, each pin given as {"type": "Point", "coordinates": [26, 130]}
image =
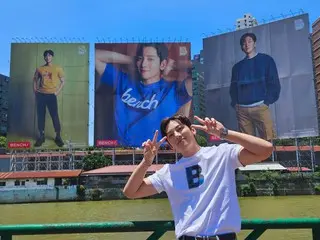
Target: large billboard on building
{"type": "Point", "coordinates": [260, 80]}
{"type": "Point", "coordinates": [48, 95]}
{"type": "Point", "coordinates": [4, 88]}
{"type": "Point", "coordinates": [136, 86]}
{"type": "Point", "coordinates": [316, 56]}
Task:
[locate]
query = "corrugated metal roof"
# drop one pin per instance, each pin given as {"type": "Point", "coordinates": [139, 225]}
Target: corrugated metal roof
{"type": "Point", "coordinates": [119, 169]}
{"type": "Point", "coordinates": [40, 174]}
{"type": "Point", "coordinates": [296, 169]}
{"type": "Point", "coordinates": [128, 169]}
{"type": "Point", "coordinates": [294, 148]}
{"type": "Point", "coordinates": [263, 167]}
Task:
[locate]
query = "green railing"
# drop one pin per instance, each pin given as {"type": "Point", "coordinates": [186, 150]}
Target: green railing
{"type": "Point", "coordinates": [159, 228]}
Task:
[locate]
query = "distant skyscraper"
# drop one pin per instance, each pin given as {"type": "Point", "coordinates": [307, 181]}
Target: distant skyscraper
{"type": "Point", "coordinates": [4, 88]}
{"type": "Point", "coordinates": [316, 57]}
{"type": "Point", "coordinates": [246, 22]}
{"type": "Point", "coordinates": [198, 85]}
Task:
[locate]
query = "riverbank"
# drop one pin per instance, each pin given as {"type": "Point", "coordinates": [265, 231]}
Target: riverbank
{"type": "Point", "coordinates": [38, 195]}
{"type": "Point", "coordinates": [245, 188]}
{"type": "Point", "coordinates": [95, 188]}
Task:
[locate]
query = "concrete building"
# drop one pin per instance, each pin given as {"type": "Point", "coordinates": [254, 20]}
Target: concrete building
{"type": "Point", "coordinates": [316, 57]}
{"type": "Point", "coordinates": [246, 22]}
{"type": "Point", "coordinates": [40, 186]}
{"type": "Point", "coordinates": [4, 90]}
{"type": "Point", "coordinates": [198, 85]}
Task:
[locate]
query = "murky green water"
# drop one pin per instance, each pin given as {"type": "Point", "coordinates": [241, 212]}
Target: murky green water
{"type": "Point", "coordinates": [150, 209]}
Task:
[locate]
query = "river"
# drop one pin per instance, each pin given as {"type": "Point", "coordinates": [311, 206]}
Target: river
{"type": "Point", "coordinates": [154, 209]}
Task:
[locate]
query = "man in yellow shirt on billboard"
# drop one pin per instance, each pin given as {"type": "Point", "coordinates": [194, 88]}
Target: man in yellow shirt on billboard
{"type": "Point", "coordinates": [48, 82]}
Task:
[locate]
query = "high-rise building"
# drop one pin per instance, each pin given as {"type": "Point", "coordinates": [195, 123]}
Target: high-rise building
{"type": "Point", "coordinates": [198, 87]}
{"type": "Point", "coordinates": [4, 93]}
{"type": "Point", "coordinates": [316, 57]}
{"type": "Point", "coordinates": [246, 22]}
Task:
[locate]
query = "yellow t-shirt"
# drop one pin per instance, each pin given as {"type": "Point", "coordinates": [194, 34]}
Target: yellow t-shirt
{"type": "Point", "coordinates": [49, 78]}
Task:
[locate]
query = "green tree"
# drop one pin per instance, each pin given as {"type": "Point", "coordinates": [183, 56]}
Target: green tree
{"type": "Point", "coordinates": [96, 160]}
{"type": "Point", "coordinates": [202, 141]}
{"type": "Point", "coordinates": [3, 142]}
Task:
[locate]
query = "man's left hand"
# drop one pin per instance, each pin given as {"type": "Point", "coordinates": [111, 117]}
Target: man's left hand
{"type": "Point", "coordinates": [209, 125]}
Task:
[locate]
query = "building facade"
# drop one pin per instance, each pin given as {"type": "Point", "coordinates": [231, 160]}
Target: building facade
{"type": "Point", "coordinates": [315, 38]}
{"type": "Point", "coordinates": [42, 186]}
{"type": "Point", "coordinates": [246, 22]}
{"type": "Point", "coordinates": [198, 85]}
{"type": "Point", "coordinates": [4, 93]}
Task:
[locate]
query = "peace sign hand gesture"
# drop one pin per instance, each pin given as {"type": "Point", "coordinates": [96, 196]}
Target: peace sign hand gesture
{"type": "Point", "coordinates": [150, 148]}
{"type": "Point", "coordinates": [209, 125]}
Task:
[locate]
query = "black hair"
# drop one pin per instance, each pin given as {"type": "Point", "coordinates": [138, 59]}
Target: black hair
{"type": "Point", "coordinates": [161, 48]}
{"type": "Point", "coordinates": [178, 118]}
{"type": "Point", "coordinates": [243, 37]}
{"type": "Point", "coordinates": [46, 52]}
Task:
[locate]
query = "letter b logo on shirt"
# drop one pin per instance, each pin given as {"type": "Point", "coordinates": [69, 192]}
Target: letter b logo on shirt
{"type": "Point", "coordinates": [194, 176]}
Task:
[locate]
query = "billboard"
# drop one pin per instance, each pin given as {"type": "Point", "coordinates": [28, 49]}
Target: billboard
{"type": "Point", "coordinates": [136, 86]}
{"type": "Point", "coordinates": [260, 80]}
{"type": "Point", "coordinates": [48, 95]}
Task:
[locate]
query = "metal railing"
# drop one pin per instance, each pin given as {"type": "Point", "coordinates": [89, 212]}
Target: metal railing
{"type": "Point", "coordinates": [159, 228]}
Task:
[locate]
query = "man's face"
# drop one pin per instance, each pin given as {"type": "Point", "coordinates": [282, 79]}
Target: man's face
{"type": "Point", "coordinates": [149, 65]}
{"type": "Point", "coordinates": [248, 45]}
{"type": "Point", "coordinates": [180, 136]}
{"type": "Point", "coordinates": [48, 58]}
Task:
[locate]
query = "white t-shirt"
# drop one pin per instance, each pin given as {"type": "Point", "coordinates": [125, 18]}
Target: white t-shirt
{"type": "Point", "coordinates": [202, 191]}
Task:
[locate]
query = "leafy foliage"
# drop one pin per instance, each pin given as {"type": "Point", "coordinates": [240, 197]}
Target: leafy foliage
{"type": "Point", "coordinates": [96, 160]}
{"type": "Point", "coordinates": [3, 142]}
{"type": "Point", "coordinates": [202, 141]}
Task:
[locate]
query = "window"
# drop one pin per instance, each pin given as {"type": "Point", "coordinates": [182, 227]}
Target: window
{"type": "Point", "coordinates": [42, 181]}
{"type": "Point", "coordinates": [2, 184]}
{"type": "Point", "coordinates": [17, 183]}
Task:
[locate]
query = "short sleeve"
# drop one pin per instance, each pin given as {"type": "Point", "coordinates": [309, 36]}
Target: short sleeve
{"type": "Point", "coordinates": [110, 75]}
{"type": "Point", "coordinates": [156, 179]}
{"type": "Point", "coordinates": [234, 155]}
{"type": "Point", "coordinates": [182, 94]}
{"type": "Point", "coordinates": [60, 72]}
{"type": "Point", "coordinates": [231, 153]}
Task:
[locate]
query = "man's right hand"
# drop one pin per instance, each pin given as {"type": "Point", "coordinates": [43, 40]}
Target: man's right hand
{"type": "Point", "coordinates": [150, 148]}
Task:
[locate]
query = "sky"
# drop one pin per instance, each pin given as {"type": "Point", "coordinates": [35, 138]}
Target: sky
{"type": "Point", "coordinates": [164, 20]}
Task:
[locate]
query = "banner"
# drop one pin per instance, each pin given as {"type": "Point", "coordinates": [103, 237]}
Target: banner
{"type": "Point", "coordinates": [260, 80]}
{"type": "Point", "coordinates": [137, 86]}
{"type": "Point", "coordinates": [48, 95]}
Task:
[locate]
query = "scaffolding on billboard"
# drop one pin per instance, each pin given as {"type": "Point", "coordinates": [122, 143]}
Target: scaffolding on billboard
{"type": "Point", "coordinates": [46, 160]}
{"type": "Point", "coordinates": [303, 159]}
{"type": "Point", "coordinates": [300, 157]}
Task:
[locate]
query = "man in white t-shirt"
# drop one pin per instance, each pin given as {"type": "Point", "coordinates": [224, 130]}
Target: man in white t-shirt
{"type": "Point", "coordinates": [201, 186]}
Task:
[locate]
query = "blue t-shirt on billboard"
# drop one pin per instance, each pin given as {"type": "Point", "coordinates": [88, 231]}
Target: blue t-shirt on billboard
{"type": "Point", "coordinates": [139, 108]}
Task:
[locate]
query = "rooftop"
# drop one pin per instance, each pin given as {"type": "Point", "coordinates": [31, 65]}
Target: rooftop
{"type": "Point", "coordinates": [266, 166]}
{"type": "Point", "coordinates": [120, 169]}
{"type": "Point", "coordinates": [40, 174]}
